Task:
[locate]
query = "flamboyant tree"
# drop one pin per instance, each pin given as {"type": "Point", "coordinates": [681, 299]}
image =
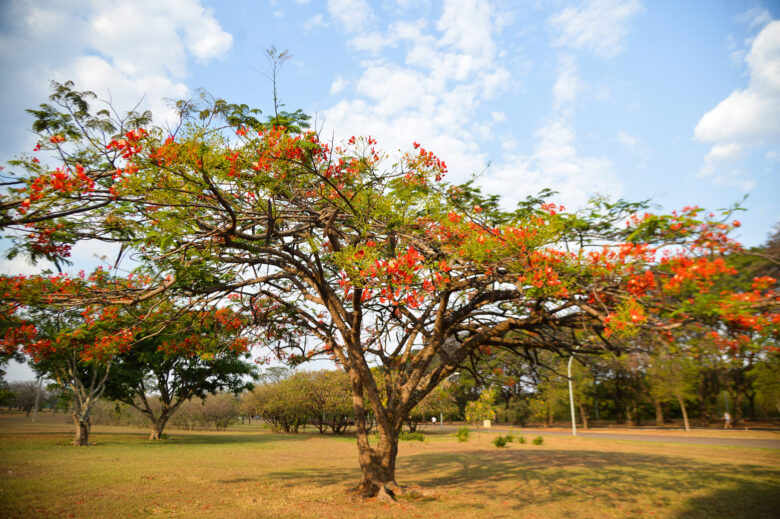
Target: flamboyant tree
{"type": "Point", "coordinates": [97, 350]}
{"type": "Point", "coordinates": [72, 346]}
{"type": "Point", "coordinates": [333, 249]}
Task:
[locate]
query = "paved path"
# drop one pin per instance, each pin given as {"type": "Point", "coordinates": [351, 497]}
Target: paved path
{"type": "Point", "coordinates": [644, 437]}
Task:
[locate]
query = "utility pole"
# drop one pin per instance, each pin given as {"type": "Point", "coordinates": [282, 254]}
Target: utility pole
{"type": "Point", "coordinates": [571, 400]}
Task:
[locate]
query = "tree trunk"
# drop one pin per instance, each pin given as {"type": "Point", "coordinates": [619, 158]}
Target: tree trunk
{"type": "Point", "coordinates": [378, 464]}
{"type": "Point", "coordinates": [659, 412]}
{"type": "Point", "coordinates": [82, 430]}
{"type": "Point", "coordinates": [158, 425]}
{"type": "Point", "coordinates": [584, 416]}
{"type": "Point", "coordinates": [548, 416]}
{"type": "Point", "coordinates": [629, 416]}
{"type": "Point", "coordinates": [681, 401]}
{"type": "Point", "coordinates": [738, 407]}
{"type": "Point", "coordinates": [751, 398]}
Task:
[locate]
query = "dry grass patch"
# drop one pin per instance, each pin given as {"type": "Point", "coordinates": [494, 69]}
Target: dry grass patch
{"type": "Point", "coordinates": [250, 473]}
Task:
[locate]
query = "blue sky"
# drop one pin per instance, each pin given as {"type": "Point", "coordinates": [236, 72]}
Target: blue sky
{"type": "Point", "coordinates": [674, 101]}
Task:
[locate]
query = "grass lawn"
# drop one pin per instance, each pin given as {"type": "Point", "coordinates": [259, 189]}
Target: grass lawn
{"type": "Point", "coordinates": [246, 472]}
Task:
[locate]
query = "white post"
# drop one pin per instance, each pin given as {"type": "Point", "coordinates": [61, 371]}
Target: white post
{"type": "Point", "coordinates": [571, 401]}
{"type": "Point", "coordinates": [37, 398]}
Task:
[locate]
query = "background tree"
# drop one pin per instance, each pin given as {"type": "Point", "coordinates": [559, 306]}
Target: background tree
{"type": "Point", "coordinates": [439, 403]}
{"type": "Point", "coordinates": [199, 353]}
{"type": "Point", "coordinates": [673, 377]}
{"type": "Point", "coordinates": [483, 408]}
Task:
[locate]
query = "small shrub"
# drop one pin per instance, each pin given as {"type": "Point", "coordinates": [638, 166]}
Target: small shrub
{"type": "Point", "coordinates": [463, 434]}
{"type": "Point", "coordinates": [499, 441]}
{"type": "Point", "coordinates": [521, 439]}
{"type": "Point", "coordinates": [411, 436]}
{"type": "Point", "coordinates": [509, 437]}
{"type": "Point", "coordinates": [538, 440]}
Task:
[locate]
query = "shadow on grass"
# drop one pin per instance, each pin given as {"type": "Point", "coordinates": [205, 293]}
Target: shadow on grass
{"type": "Point", "coordinates": [318, 476]}
{"type": "Point", "coordinates": [757, 501]}
{"type": "Point", "coordinates": [607, 479]}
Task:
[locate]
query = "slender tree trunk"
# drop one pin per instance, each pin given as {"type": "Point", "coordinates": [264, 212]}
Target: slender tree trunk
{"type": "Point", "coordinates": [629, 416]}
{"type": "Point", "coordinates": [584, 416]}
{"type": "Point", "coordinates": [751, 398]}
{"type": "Point", "coordinates": [659, 412]}
{"type": "Point", "coordinates": [738, 407]}
{"type": "Point", "coordinates": [681, 401]}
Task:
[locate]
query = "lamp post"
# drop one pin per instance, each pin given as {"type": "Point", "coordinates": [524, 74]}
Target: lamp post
{"type": "Point", "coordinates": [571, 400]}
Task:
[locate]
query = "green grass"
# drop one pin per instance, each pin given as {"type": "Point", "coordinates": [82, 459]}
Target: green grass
{"type": "Point", "coordinates": [254, 473]}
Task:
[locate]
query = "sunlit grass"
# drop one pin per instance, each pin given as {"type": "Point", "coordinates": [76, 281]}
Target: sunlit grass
{"type": "Point", "coordinates": [248, 472]}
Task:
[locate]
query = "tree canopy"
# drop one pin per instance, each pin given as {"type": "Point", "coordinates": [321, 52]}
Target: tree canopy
{"type": "Point", "coordinates": [336, 249]}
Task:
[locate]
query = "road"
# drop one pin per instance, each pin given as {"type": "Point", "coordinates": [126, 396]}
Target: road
{"type": "Point", "coordinates": [645, 436]}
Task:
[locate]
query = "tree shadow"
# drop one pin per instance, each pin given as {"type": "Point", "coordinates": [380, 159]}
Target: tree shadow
{"type": "Point", "coordinates": [607, 479]}
{"type": "Point", "coordinates": [319, 476]}
{"type": "Point", "coordinates": [744, 499]}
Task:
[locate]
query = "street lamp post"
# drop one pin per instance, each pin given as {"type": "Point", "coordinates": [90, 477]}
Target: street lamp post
{"type": "Point", "coordinates": [571, 400]}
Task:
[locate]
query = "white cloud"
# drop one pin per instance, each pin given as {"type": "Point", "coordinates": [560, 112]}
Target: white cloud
{"type": "Point", "coordinates": [338, 85]}
{"type": "Point", "coordinates": [755, 17]}
{"type": "Point", "coordinates": [352, 15]}
{"type": "Point", "coordinates": [433, 94]}
{"type": "Point", "coordinates": [555, 163]}
{"type": "Point", "coordinates": [318, 20]}
{"type": "Point", "coordinates": [568, 83]}
{"type": "Point", "coordinates": [749, 117]}
{"type": "Point", "coordinates": [118, 50]}
{"type": "Point", "coordinates": [626, 140]}
{"type": "Point", "coordinates": [598, 26]}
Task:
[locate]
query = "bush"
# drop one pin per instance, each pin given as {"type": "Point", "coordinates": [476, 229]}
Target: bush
{"type": "Point", "coordinates": [499, 441]}
{"type": "Point", "coordinates": [510, 437]}
{"type": "Point", "coordinates": [538, 440]}
{"type": "Point", "coordinates": [411, 436]}
{"type": "Point", "coordinates": [463, 434]}
{"type": "Point", "coordinates": [521, 439]}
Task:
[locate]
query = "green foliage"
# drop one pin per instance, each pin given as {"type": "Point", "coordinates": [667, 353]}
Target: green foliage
{"type": "Point", "coordinates": [463, 434]}
{"type": "Point", "coordinates": [538, 440]}
{"type": "Point", "coordinates": [483, 408]}
{"type": "Point", "coordinates": [321, 398]}
{"type": "Point", "coordinates": [411, 436]}
{"type": "Point", "coordinates": [501, 441]}
{"type": "Point", "coordinates": [440, 401]}
{"type": "Point", "coordinates": [521, 440]}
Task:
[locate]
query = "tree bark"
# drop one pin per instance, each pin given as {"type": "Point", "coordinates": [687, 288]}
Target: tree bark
{"type": "Point", "coordinates": [158, 426]}
{"type": "Point", "coordinates": [659, 412]}
{"type": "Point", "coordinates": [82, 430]}
{"type": "Point", "coordinates": [738, 407]}
{"type": "Point", "coordinates": [376, 462]}
{"type": "Point", "coordinates": [681, 401]}
{"type": "Point", "coordinates": [751, 398]}
{"type": "Point", "coordinates": [584, 416]}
